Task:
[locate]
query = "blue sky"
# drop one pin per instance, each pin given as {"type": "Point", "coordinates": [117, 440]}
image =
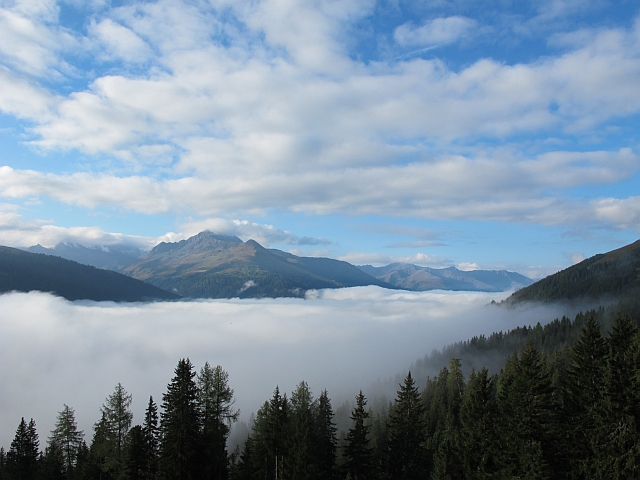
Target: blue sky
{"type": "Point", "coordinates": [489, 135]}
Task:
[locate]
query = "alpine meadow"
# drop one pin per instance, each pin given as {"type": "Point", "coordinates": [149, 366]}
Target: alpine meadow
{"type": "Point", "coordinates": [319, 239]}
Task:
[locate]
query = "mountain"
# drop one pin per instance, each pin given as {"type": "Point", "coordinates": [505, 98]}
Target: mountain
{"type": "Point", "coordinates": [414, 277]}
{"type": "Point", "coordinates": [25, 271]}
{"type": "Point", "coordinates": [615, 274]}
{"type": "Point", "coordinates": [113, 257]}
{"type": "Point", "coordinates": [220, 266]}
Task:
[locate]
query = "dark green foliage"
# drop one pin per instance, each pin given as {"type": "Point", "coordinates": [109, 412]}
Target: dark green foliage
{"type": "Point", "coordinates": [358, 451]}
{"type": "Point", "coordinates": [24, 272]}
{"type": "Point", "coordinates": [52, 464]}
{"type": "Point", "coordinates": [325, 438]}
{"type": "Point", "coordinates": [406, 433]}
{"type": "Point", "coordinates": [478, 439]}
{"type": "Point", "coordinates": [136, 456]}
{"type": "Point", "coordinates": [67, 438]}
{"type": "Point", "coordinates": [303, 461]}
{"type": "Point", "coordinates": [216, 405]}
{"type": "Point", "coordinates": [180, 426]}
{"type": "Point", "coordinates": [152, 437]}
{"type": "Point", "coordinates": [22, 457]}
{"type": "Point", "coordinates": [528, 412]}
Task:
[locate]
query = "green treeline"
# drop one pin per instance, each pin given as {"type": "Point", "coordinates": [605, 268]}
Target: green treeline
{"type": "Point", "coordinates": [567, 411]}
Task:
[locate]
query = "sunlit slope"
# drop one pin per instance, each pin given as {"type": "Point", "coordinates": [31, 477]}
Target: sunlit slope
{"type": "Point", "coordinates": [615, 274]}
{"type": "Point", "coordinates": [219, 266]}
{"type": "Point", "coordinates": [24, 271]}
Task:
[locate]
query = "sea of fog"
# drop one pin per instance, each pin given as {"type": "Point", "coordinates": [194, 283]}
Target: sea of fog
{"type": "Point", "coordinates": [55, 352]}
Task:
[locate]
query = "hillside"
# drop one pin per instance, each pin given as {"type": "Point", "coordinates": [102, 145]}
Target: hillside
{"type": "Point", "coordinates": [614, 275]}
{"type": "Point", "coordinates": [24, 271]}
{"type": "Point", "coordinates": [414, 277]}
{"type": "Point", "coordinates": [112, 257]}
{"type": "Point", "coordinates": [219, 266]}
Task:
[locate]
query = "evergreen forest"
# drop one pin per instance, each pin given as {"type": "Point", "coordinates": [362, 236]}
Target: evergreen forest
{"type": "Point", "coordinates": [564, 404]}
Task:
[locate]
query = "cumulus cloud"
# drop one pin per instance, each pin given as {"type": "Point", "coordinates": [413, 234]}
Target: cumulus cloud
{"type": "Point", "coordinates": [379, 259]}
{"type": "Point", "coordinates": [343, 340]}
{"type": "Point", "coordinates": [435, 32]}
{"type": "Point", "coordinates": [119, 42]}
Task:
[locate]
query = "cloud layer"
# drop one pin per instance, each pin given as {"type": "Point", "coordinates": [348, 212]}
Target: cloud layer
{"type": "Point", "coordinates": [56, 352]}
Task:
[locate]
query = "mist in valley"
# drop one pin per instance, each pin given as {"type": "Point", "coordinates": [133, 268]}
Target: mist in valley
{"type": "Point", "coordinates": [55, 352]}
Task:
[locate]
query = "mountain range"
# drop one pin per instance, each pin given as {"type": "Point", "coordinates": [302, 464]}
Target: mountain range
{"type": "Point", "coordinates": [208, 265]}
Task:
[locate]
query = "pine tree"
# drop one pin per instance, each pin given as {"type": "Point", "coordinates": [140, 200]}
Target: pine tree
{"type": "Point", "coordinates": [277, 430]}
{"type": "Point", "coordinates": [584, 390]}
{"type": "Point", "coordinates": [67, 438]}
{"type": "Point", "coordinates": [358, 450]}
{"type": "Point", "coordinates": [477, 435]}
{"type": "Point", "coordinates": [136, 456]}
{"type": "Point", "coordinates": [616, 415]}
{"type": "Point", "coordinates": [527, 408]}
{"type": "Point", "coordinates": [180, 425]}
{"type": "Point", "coordinates": [326, 441]}
{"type": "Point", "coordinates": [152, 437]}
{"type": "Point", "coordinates": [406, 433]}
{"type": "Point", "coordinates": [22, 458]}
{"type": "Point", "coordinates": [216, 404]}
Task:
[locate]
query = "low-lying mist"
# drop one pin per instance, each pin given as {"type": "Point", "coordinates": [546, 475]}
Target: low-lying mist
{"type": "Point", "coordinates": [55, 352]}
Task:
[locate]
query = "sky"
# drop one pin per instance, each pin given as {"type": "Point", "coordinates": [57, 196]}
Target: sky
{"type": "Point", "coordinates": [54, 352]}
{"type": "Point", "coordinates": [496, 134]}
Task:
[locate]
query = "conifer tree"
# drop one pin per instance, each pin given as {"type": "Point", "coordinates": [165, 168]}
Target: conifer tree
{"type": "Point", "coordinates": [52, 465]}
{"type": "Point", "coordinates": [406, 433]}
{"type": "Point", "coordinates": [358, 449]}
{"type": "Point", "coordinates": [136, 456]}
{"type": "Point", "coordinates": [477, 420]}
{"type": "Point", "coordinates": [326, 441]}
{"type": "Point", "coordinates": [180, 425]}
{"type": "Point", "coordinates": [301, 438]}
{"type": "Point", "coordinates": [22, 458]}
{"type": "Point", "coordinates": [616, 415]}
{"type": "Point", "coordinates": [67, 438]}
{"type": "Point", "coordinates": [117, 418]}
{"type": "Point", "coordinates": [277, 430]}
{"type": "Point", "coordinates": [216, 404]}
{"type": "Point", "coordinates": [152, 437]}
{"type": "Point", "coordinates": [527, 408]}
{"type": "Point", "coordinates": [584, 390]}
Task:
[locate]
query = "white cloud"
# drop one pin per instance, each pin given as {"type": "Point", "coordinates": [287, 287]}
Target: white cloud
{"type": "Point", "coordinates": [437, 31]}
{"type": "Point", "coordinates": [120, 42]}
{"type": "Point", "coordinates": [468, 266]}
{"type": "Point", "coordinates": [79, 351]}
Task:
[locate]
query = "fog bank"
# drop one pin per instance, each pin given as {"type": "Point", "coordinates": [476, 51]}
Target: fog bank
{"type": "Point", "coordinates": [53, 351]}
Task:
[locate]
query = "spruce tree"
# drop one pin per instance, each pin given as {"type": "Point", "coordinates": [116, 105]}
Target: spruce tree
{"type": "Point", "coordinates": [135, 461]}
{"type": "Point", "coordinates": [152, 437]}
{"type": "Point", "coordinates": [528, 410]}
{"type": "Point", "coordinates": [358, 449]}
{"type": "Point", "coordinates": [477, 420]}
{"type": "Point", "coordinates": [301, 438]}
{"type": "Point", "coordinates": [216, 404]}
{"type": "Point", "coordinates": [325, 436]}
{"type": "Point", "coordinates": [584, 388]}
{"type": "Point", "coordinates": [406, 433]}
{"type": "Point", "coordinates": [277, 430]}
{"type": "Point", "coordinates": [22, 458]}
{"type": "Point", "coordinates": [180, 426]}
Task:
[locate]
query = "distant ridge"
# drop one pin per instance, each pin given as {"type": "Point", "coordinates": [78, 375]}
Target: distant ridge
{"type": "Point", "coordinates": [111, 257]}
{"type": "Point", "coordinates": [208, 265]}
{"type": "Point", "coordinates": [25, 271]}
{"type": "Point", "coordinates": [417, 278]}
{"type": "Point", "coordinates": [615, 274]}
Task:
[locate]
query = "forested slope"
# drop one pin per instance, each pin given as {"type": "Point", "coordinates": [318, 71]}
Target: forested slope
{"type": "Point", "coordinates": [23, 271]}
